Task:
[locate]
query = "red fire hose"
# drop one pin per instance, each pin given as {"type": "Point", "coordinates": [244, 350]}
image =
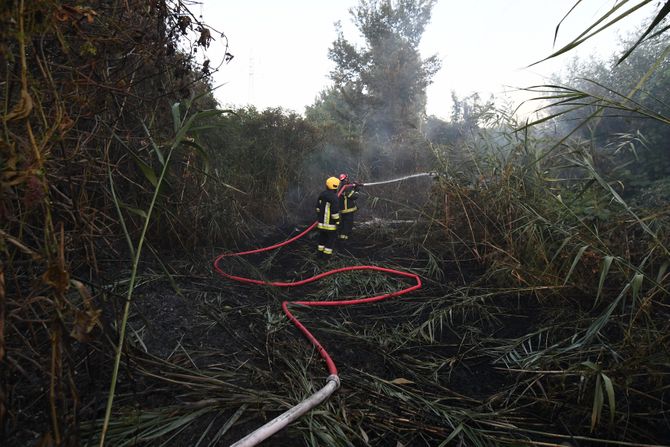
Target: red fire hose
{"type": "Point", "coordinates": [333, 381]}
{"type": "Point", "coordinates": [332, 369]}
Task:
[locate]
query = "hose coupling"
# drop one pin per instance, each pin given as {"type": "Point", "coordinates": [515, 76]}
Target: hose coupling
{"type": "Point", "coordinates": [334, 378]}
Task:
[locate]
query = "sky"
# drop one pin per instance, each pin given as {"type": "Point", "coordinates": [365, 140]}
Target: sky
{"type": "Point", "coordinates": [280, 47]}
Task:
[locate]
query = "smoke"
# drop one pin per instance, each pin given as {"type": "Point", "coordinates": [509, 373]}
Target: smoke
{"type": "Point", "coordinates": [330, 160]}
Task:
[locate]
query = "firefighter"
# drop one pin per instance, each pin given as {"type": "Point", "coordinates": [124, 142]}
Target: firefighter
{"type": "Point", "coordinates": [328, 215]}
{"type": "Point", "coordinates": [348, 207]}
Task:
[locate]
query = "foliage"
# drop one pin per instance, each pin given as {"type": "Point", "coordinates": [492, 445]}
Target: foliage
{"type": "Point", "coordinates": [469, 115]}
{"type": "Point", "coordinates": [87, 129]}
{"type": "Point", "coordinates": [373, 115]}
{"type": "Point", "coordinates": [617, 12]}
{"type": "Point", "coordinates": [384, 83]}
{"type": "Point", "coordinates": [181, 127]}
{"type": "Point", "coordinates": [112, 141]}
{"type": "Point", "coordinates": [628, 100]}
{"type": "Point", "coordinates": [545, 212]}
{"type": "Point", "coordinates": [547, 283]}
{"type": "Point", "coordinates": [626, 97]}
{"type": "Point", "coordinates": [262, 152]}
{"type": "Point", "coordinates": [596, 267]}
{"type": "Point", "coordinates": [337, 120]}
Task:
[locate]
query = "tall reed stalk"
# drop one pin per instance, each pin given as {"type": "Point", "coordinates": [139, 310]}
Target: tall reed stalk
{"type": "Point", "coordinates": [182, 128]}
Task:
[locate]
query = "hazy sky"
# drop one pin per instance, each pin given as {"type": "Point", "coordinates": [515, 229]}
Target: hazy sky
{"type": "Point", "coordinates": [281, 46]}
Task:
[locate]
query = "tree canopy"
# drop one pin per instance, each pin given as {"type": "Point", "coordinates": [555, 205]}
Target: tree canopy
{"type": "Point", "coordinates": [383, 83]}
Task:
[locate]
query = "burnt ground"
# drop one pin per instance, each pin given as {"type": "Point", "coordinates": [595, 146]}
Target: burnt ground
{"type": "Point", "coordinates": [198, 320]}
{"type": "Point", "coordinates": [411, 367]}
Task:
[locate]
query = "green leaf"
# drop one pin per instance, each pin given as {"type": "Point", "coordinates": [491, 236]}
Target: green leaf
{"type": "Point", "coordinates": [158, 258]}
{"type": "Point", "coordinates": [580, 253]}
{"type": "Point", "coordinates": [452, 435]}
{"type": "Point", "coordinates": [636, 284]}
{"type": "Point", "coordinates": [230, 422]}
{"type": "Point", "coordinates": [609, 389]}
{"type": "Point", "coordinates": [157, 149]}
{"type": "Point", "coordinates": [133, 210]}
{"type": "Point", "coordinates": [607, 263]}
{"type": "Point", "coordinates": [597, 404]}
{"type": "Point", "coordinates": [183, 129]}
{"type": "Point", "coordinates": [117, 206]}
{"type": "Point", "coordinates": [591, 365]}
{"type": "Point", "coordinates": [364, 435]}
{"type": "Point", "coordinates": [146, 170]}
{"type": "Point", "coordinates": [176, 118]}
{"type": "Point", "coordinates": [665, 10]}
{"type": "Point", "coordinates": [605, 21]}
{"type": "Point", "coordinates": [565, 241]}
{"type": "Point", "coordinates": [661, 271]}
{"type": "Point", "coordinates": [201, 152]}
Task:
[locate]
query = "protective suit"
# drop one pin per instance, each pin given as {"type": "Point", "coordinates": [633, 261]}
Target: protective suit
{"type": "Point", "coordinates": [348, 207]}
{"type": "Point", "coordinates": [328, 217]}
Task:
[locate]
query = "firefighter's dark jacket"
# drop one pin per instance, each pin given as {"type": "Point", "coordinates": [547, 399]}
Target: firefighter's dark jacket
{"type": "Point", "coordinates": [328, 210]}
{"type": "Point", "coordinates": [348, 200]}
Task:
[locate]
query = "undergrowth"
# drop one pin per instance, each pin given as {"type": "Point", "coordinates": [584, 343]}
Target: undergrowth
{"type": "Point", "coordinates": [543, 319]}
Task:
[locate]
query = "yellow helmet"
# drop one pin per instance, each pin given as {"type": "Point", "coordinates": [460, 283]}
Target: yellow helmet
{"type": "Point", "coordinates": [332, 183]}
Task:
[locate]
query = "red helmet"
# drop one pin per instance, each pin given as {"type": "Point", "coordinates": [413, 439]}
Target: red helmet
{"type": "Point", "coordinates": [344, 177]}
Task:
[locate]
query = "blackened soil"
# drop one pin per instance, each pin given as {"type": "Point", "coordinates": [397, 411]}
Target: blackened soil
{"type": "Point", "coordinates": [202, 321]}
{"type": "Point", "coordinates": [196, 340]}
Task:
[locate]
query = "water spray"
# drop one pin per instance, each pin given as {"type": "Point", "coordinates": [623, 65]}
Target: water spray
{"type": "Point", "coordinates": [400, 179]}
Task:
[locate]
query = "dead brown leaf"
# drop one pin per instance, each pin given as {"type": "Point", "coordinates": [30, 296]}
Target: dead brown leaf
{"type": "Point", "coordinates": [84, 322]}
{"type": "Point", "coordinates": [22, 109]}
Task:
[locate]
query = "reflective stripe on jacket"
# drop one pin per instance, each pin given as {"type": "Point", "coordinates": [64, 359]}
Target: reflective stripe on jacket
{"type": "Point", "coordinates": [328, 210]}
{"type": "Point", "coordinates": [348, 201]}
